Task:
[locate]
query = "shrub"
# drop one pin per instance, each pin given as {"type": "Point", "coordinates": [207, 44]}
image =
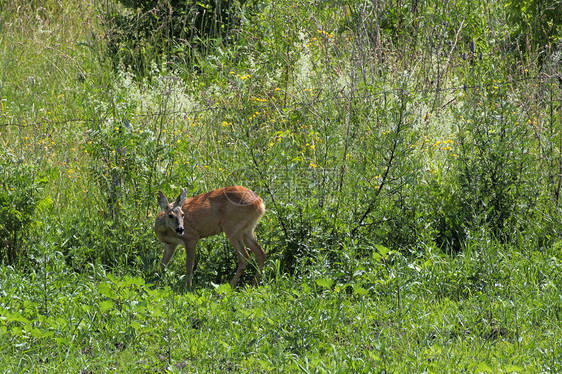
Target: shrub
{"type": "Point", "coordinates": [168, 31]}
{"type": "Point", "coordinates": [537, 26]}
{"type": "Point", "coordinates": [495, 180]}
{"type": "Point", "coordinates": [19, 197]}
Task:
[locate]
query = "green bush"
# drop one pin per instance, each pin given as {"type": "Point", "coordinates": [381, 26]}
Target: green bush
{"type": "Point", "coordinates": [537, 26]}
{"type": "Point", "coordinates": [20, 188]}
{"type": "Point", "coordinates": [123, 168]}
{"type": "Point", "coordinates": [161, 32]}
{"type": "Point", "coordinates": [495, 174]}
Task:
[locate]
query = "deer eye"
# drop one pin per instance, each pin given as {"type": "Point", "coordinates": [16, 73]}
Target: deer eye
{"type": "Point", "coordinates": [170, 215]}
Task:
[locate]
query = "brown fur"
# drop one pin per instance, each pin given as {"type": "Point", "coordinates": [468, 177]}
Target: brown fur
{"type": "Point", "coordinates": [233, 210]}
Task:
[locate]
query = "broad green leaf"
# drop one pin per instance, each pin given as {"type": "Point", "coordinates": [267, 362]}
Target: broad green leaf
{"type": "Point", "coordinates": [37, 333]}
{"type": "Point", "coordinates": [106, 305]}
{"type": "Point", "coordinates": [324, 282]}
{"type": "Point", "coordinates": [484, 367]}
{"type": "Point", "coordinates": [134, 281]}
{"type": "Point", "coordinates": [16, 317]}
{"type": "Point", "coordinates": [136, 325]}
{"type": "Point", "coordinates": [44, 204]}
{"type": "Point", "coordinates": [156, 311]}
{"type": "Point", "coordinates": [382, 249]}
{"type": "Point", "coordinates": [223, 289]}
{"type": "Point", "coordinates": [359, 290]}
{"type": "Point", "coordinates": [105, 290]}
{"type": "Point", "coordinates": [514, 369]}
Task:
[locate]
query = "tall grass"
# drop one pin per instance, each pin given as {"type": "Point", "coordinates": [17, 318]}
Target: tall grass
{"type": "Point", "coordinates": [418, 127]}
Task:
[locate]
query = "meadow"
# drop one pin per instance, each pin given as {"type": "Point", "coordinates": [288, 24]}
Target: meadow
{"type": "Point", "coordinates": [409, 154]}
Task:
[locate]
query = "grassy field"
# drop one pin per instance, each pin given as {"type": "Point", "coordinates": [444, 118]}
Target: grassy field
{"type": "Point", "coordinates": [408, 154]}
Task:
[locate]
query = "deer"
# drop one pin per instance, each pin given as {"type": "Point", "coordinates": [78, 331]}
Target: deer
{"type": "Point", "coordinates": [233, 210]}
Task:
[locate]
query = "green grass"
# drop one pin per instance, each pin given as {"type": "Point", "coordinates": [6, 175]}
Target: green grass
{"type": "Point", "coordinates": [408, 157]}
{"type": "Point", "coordinates": [441, 315]}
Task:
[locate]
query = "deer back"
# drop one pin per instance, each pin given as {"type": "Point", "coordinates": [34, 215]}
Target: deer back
{"type": "Point", "coordinates": [206, 214]}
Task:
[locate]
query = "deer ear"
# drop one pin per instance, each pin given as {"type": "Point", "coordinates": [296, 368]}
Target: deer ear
{"type": "Point", "coordinates": [162, 200]}
{"type": "Point", "coordinates": [182, 197]}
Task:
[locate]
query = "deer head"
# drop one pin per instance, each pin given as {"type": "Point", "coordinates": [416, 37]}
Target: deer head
{"type": "Point", "coordinates": [173, 213]}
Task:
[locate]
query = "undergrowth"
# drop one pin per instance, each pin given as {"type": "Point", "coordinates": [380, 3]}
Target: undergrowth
{"type": "Point", "coordinates": [408, 156]}
{"type": "Point", "coordinates": [478, 312]}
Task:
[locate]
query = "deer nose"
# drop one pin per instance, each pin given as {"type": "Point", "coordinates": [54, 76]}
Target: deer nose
{"type": "Point", "coordinates": [179, 230]}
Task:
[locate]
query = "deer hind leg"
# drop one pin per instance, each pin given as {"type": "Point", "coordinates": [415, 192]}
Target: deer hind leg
{"type": "Point", "coordinates": [243, 257]}
{"type": "Point", "coordinates": [257, 250]}
{"type": "Point", "coordinates": [169, 250]}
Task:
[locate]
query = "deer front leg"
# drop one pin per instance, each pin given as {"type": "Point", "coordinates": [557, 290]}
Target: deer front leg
{"type": "Point", "coordinates": [190, 247]}
{"type": "Point", "coordinates": [169, 250]}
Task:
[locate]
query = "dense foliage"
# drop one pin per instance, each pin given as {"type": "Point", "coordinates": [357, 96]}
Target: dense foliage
{"type": "Point", "coordinates": [409, 155]}
{"type": "Point", "coordinates": [173, 32]}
